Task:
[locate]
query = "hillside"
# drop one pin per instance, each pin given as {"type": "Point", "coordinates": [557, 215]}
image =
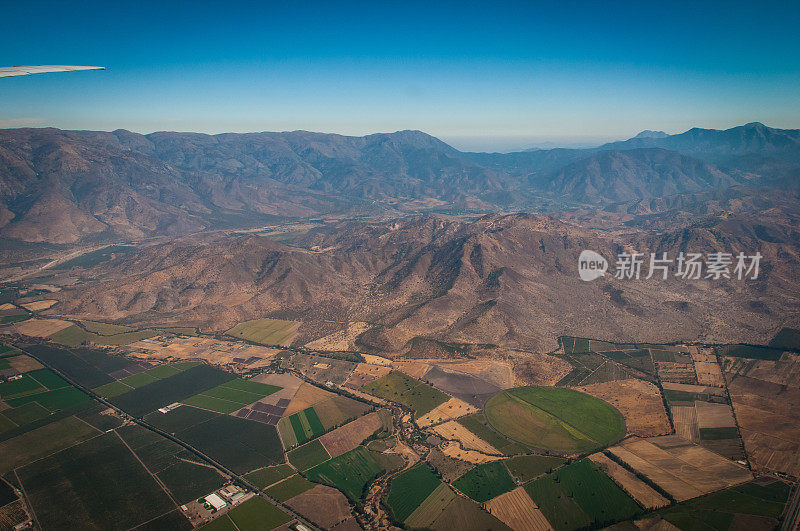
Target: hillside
{"type": "Point", "coordinates": [507, 280]}
{"type": "Point", "coordinates": [66, 187]}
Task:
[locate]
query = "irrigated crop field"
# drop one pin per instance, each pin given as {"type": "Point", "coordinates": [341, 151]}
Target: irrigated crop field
{"type": "Point", "coordinates": [350, 472]}
{"type": "Point", "coordinates": [349, 436]}
{"type": "Point", "coordinates": [98, 483]}
{"type": "Point", "coordinates": [485, 482]}
{"type": "Point", "coordinates": [396, 386]}
{"type": "Point", "coordinates": [581, 494]}
{"type": "Point", "coordinates": [266, 331]}
{"type": "Point", "coordinates": [410, 489]}
{"type": "Point", "coordinates": [556, 419]}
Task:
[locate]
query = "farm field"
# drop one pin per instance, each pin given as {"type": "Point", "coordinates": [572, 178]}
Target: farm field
{"type": "Point", "coordinates": [579, 494]}
{"type": "Point", "coordinates": [450, 410]}
{"type": "Point", "coordinates": [455, 431]}
{"type": "Point", "coordinates": [322, 505]}
{"type": "Point", "coordinates": [767, 411]}
{"type": "Point", "coordinates": [239, 444]}
{"type": "Point", "coordinates": [231, 395]}
{"type": "Point", "coordinates": [308, 456]}
{"type": "Point", "coordinates": [555, 419]}
{"type": "Point", "coordinates": [42, 327]}
{"type": "Point", "coordinates": [264, 477]}
{"type": "Point", "coordinates": [469, 388]}
{"type": "Point", "coordinates": [431, 507]}
{"type": "Point", "coordinates": [447, 467]}
{"type": "Point", "coordinates": [305, 425]}
{"type": "Point", "coordinates": [349, 436]}
{"type": "Point", "coordinates": [289, 488]}
{"type": "Point", "coordinates": [203, 348]}
{"type": "Point", "coordinates": [81, 487]}
{"type": "Point", "coordinates": [396, 386]}
{"type": "Point", "coordinates": [187, 481]}
{"type": "Point", "coordinates": [478, 425]}
{"type": "Point", "coordinates": [257, 514]}
{"type": "Point", "coordinates": [517, 510]}
{"type": "Point", "coordinates": [754, 505]}
{"type": "Point", "coordinates": [639, 402]}
{"type": "Point", "coordinates": [524, 468]}
{"type": "Point", "coordinates": [43, 441]}
{"type": "Point", "coordinates": [681, 468]}
{"type": "Point", "coordinates": [410, 489]}
{"type": "Point", "coordinates": [265, 331]}
{"type": "Point", "coordinates": [637, 489]}
{"type": "Point", "coordinates": [463, 513]}
{"type": "Point", "coordinates": [485, 482]}
{"type": "Point", "coordinates": [74, 336]}
{"type": "Point", "coordinates": [350, 472]}
{"type": "Point", "coordinates": [160, 393]}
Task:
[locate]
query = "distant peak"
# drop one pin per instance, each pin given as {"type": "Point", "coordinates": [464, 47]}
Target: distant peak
{"type": "Point", "coordinates": [755, 125]}
{"type": "Point", "coordinates": [651, 134]}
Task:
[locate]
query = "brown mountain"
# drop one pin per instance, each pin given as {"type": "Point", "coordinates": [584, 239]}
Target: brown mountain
{"type": "Point", "coordinates": [86, 186]}
{"type": "Point", "coordinates": [507, 280]}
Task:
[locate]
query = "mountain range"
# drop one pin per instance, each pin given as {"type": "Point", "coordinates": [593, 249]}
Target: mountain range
{"type": "Point", "coordinates": [66, 187]}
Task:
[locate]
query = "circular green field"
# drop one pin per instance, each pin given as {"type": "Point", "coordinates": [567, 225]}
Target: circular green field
{"type": "Point", "coordinates": [555, 418]}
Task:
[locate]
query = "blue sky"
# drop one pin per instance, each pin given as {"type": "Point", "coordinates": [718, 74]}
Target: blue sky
{"type": "Point", "coordinates": [480, 75]}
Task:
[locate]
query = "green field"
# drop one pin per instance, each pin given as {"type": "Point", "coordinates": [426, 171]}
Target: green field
{"type": "Point", "coordinates": [561, 511]}
{"type": "Point", "coordinates": [19, 387]}
{"type": "Point", "coordinates": [409, 489]}
{"type": "Point", "coordinates": [24, 414]}
{"type": "Point", "coordinates": [188, 481]}
{"type": "Point", "coordinates": [96, 484]}
{"type": "Point", "coordinates": [554, 418]}
{"type": "Point", "coordinates": [524, 468]}
{"type": "Point", "coordinates": [257, 514]}
{"type": "Point", "coordinates": [751, 351]}
{"type": "Point", "coordinates": [308, 456]}
{"type": "Point", "coordinates": [231, 396]}
{"type": "Point", "coordinates": [398, 387]}
{"type": "Point", "coordinates": [138, 380]}
{"type": "Point", "coordinates": [87, 367]}
{"type": "Point", "coordinates": [264, 331]}
{"type": "Point", "coordinates": [350, 472]}
{"type": "Point", "coordinates": [106, 329]}
{"type": "Point", "coordinates": [74, 335]}
{"type": "Point", "coordinates": [477, 424]}
{"type": "Point", "coordinates": [8, 319]}
{"type": "Point", "coordinates": [169, 390]}
{"type": "Point", "coordinates": [55, 400]}
{"type": "Point", "coordinates": [241, 445]}
{"type": "Point", "coordinates": [112, 389]}
{"type": "Point", "coordinates": [304, 425]}
{"type": "Point", "coordinates": [264, 477]}
{"type": "Point", "coordinates": [598, 497]}
{"type": "Point", "coordinates": [485, 482]}
{"type": "Point", "coordinates": [289, 488]}
{"type": "Point", "coordinates": [758, 504]}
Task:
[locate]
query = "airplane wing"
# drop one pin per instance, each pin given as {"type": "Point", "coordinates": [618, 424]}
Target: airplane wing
{"type": "Point", "coordinates": [8, 71]}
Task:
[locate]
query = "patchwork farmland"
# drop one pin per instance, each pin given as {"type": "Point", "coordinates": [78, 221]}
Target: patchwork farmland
{"type": "Point", "coordinates": [449, 443]}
